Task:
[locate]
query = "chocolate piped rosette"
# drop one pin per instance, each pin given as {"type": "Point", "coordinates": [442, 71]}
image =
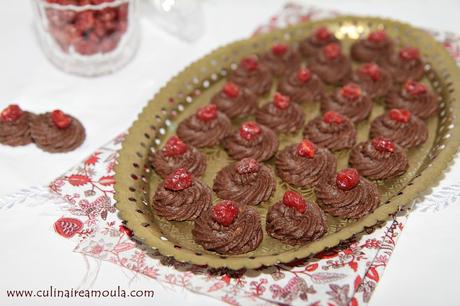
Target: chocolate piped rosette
{"type": "Point", "coordinates": [246, 182]}
{"type": "Point", "coordinates": [251, 140]}
{"type": "Point", "coordinates": [332, 131]}
{"type": "Point", "coordinates": [281, 115]}
{"type": "Point", "coordinates": [280, 59]}
{"type": "Point", "coordinates": [349, 100]}
{"type": "Point", "coordinates": [375, 81]}
{"type": "Point", "coordinates": [313, 44]}
{"type": "Point", "coordinates": [57, 132]}
{"type": "Point", "coordinates": [295, 221]}
{"type": "Point", "coordinates": [206, 128]}
{"type": "Point", "coordinates": [15, 126]}
{"type": "Point", "coordinates": [229, 228]}
{"type": "Point", "coordinates": [375, 47]}
{"type": "Point", "coordinates": [235, 101]}
{"type": "Point", "coordinates": [181, 197]}
{"type": "Point", "coordinates": [404, 65]}
{"type": "Point", "coordinates": [379, 159]}
{"type": "Point", "coordinates": [176, 154]}
{"type": "Point", "coordinates": [348, 195]}
{"type": "Point", "coordinates": [252, 75]}
{"type": "Point", "coordinates": [305, 164]}
{"type": "Point", "coordinates": [400, 126]}
{"type": "Point", "coordinates": [415, 97]}
{"type": "Point", "coordinates": [301, 85]}
{"type": "Point", "coordinates": [331, 65]}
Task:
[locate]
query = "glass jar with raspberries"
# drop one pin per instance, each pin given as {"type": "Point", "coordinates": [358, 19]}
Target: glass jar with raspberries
{"type": "Point", "coordinates": [88, 37]}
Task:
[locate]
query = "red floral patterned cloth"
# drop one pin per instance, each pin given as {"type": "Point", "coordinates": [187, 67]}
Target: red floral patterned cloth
{"type": "Point", "coordinates": [344, 275]}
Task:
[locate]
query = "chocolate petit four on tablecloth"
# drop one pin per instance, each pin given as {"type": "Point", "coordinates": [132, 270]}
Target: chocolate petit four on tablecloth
{"type": "Point", "coordinates": [246, 181]}
{"type": "Point", "coordinates": [376, 47]}
{"type": "Point", "coordinates": [295, 221]}
{"type": "Point", "coordinates": [181, 197]}
{"type": "Point", "coordinates": [206, 128]}
{"type": "Point", "coordinates": [251, 140]}
{"type": "Point", "coordinates": [301, 85]}
{"type": "Point", "coordinates": [253, 75]}
{"type": "Point", "coordinates": [57, 132]}
{"type": "Point", "coordinates": [305, 164]}
{"type": "Point", "coordinates": [177, 154]}
{"type": "Point", "coordinates": [229, 228]}
{"type": "Point", "coordinates": [281, 58]}
{"type": "Point", "coordinates": [375, 81]}
{"type": "Point", "coordinates": [331, 65]}
{"type": "Point", "coordinates": [379, 158]}
{"type": "Point", "coordinates": [281, 115]}
{"type": "Point", "coordinates": [349, 100]}
{"type": "Point", "coordinates": [321, 36]}
{"type": "Point", "coordinates": [235, 101]}
{"type": "Point", "coordinates": [347, 195]}
{"type": "Point", "coordinates": [404, 65]}
{"type": "Point", "coordinates": [400, 126]}
{"type": "Point", "coordinates": [15, 126]}
{"type": "Point", "coordinates": [332, 131]}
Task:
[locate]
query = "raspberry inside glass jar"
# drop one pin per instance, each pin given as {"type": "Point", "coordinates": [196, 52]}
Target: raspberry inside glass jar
{"type": "Point", "coordinates": [88, 37]}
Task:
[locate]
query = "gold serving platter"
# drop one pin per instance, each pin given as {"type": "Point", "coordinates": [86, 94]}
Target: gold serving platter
{"type": "Point", "coordinates": [136, 181]}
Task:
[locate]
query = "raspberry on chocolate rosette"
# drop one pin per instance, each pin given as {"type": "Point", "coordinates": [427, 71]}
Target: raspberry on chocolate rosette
{"type": "Point", "coordinates": [245, 182]}
{"type": "Point", "coordinates": [415, 97]}
{"type": "Point", "coordinates": [375, 47]}
{"type": "Point", "coordinates": [295, 221]}
{"type": "Point", "coordinates": [375, 81]}
{"type": "Point", "coordinates": [331, 130]}
{"type": "Point", "coordinates": [331, 65]}
{"type": "Point", "coordinates": [181, 197]}
{"type": "Point", "coordinates": [281, 115]}
{"type": "Point", "coordinates": [228, 228]}
{"type": "Point", "coordinates": [235, 101]}
{"type": "Point", "coordinates": [305, 164]}
{"type": "Point", "coordinates": [312, 45]}
{"type": "Point", "coordinates": [252, 75]}
{"type": "Point", "coordinates": [400, 126]}
{"type": "Point", "coordinates": [206, 128]}
{"type": "Point", "coordinates": [176, 154]}
{"type": "Point", "coordinates": [301, 85]}
{"type": "Point", "coordinates": [251, 140]}
{"type": "Point", "coordinates": [280, 59]}
{"type": "Point", "coordinates": [349, 100]}
{"type": "Point", "coordinates": [347, 195]}
{"type": "Point", "coordinates": [379, 159]}
{"type": "Point", "coordinates": [406, 64]}
{"type": "Point", "coordinates": [57, 132]}
{"type": "Point", "coordinates": [14, 126]}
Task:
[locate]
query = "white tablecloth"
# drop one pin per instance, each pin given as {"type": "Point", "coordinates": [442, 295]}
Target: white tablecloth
{"type": "Point", "coordinates": [422, 270]}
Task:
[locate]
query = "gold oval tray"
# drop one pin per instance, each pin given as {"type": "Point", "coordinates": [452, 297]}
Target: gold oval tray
{"type": "Point", "coordinates": [193, 87]}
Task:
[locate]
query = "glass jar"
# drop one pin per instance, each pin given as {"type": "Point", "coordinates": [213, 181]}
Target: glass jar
{"type": "Point", "coordinates": [88, 37]}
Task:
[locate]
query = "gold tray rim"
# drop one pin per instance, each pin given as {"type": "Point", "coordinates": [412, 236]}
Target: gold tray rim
{"type": "Point", "coordinates": [427, 178]}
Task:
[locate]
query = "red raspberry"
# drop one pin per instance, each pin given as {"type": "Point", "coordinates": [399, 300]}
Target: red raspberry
{"type": "Point", "coordinates": [247, 165]}
{"type": "Point", "coordinates": [347, 179]}
{"type": "Point", "coordinates": [174, 147]}
{"type": "Point", "coordinates": [61, 120]}
{"type": "Point", "coordinates": [279, 49]}
{"type": "Point", "coordinates": [85, 47]}
{"type": "Point", "coordinates": [178, 180]}
{"type": "Point", "coordinates": [295, 200]}
{"type": "Point", "coordinates": [85, 21]}
{"type": "Point", "coordinates": [332, 117]}
{"type": "Point", "coordinates": [306, 149]}
{"type": "Point", "coordinates": [371, 70]}
{"type": "Point", "coordinates": [11, 113]}
{"type": "Point", "coordinates": [322, 34]}
{"type": "Point", "coordinates": [107, 14]}
{"type": "Point", "coordinates": [249, 63]}
{"type": "Point", "coordinates": [122, 27]}
{"type": "Point", "coordinates": [400, 115]}
{"type": "Point", "coordinates": [281, 101]}
{"type": "Point", "coordinates": [383, 144]}
{"type": "Point", "coordinates": [415, 88]}
{"type": "Point", "coordinates": [303, 75]}
{"type": "Point", "coordinates": [377, 36]}
{"type": "Point", "coordinates": [250, 130]}
{"type": "Point", "coordinates": [207, 113]}
{"type": "Point", "coordinates": [351, 91]}
{"type": "Point", "coordinates": [99, 28]}
{"type": "Point", "coordinates": [108, 44]}
{"type": "Point", "coordinates": [231, 90]}
{"type": "Point", "coordinates": [123, 12]}
{"type": "Point", "coordinates": [225, 212]}
{"type": "Point", "coordinates": [409, 53]}
{"type": "Point", "coordinates": [332, 51]}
